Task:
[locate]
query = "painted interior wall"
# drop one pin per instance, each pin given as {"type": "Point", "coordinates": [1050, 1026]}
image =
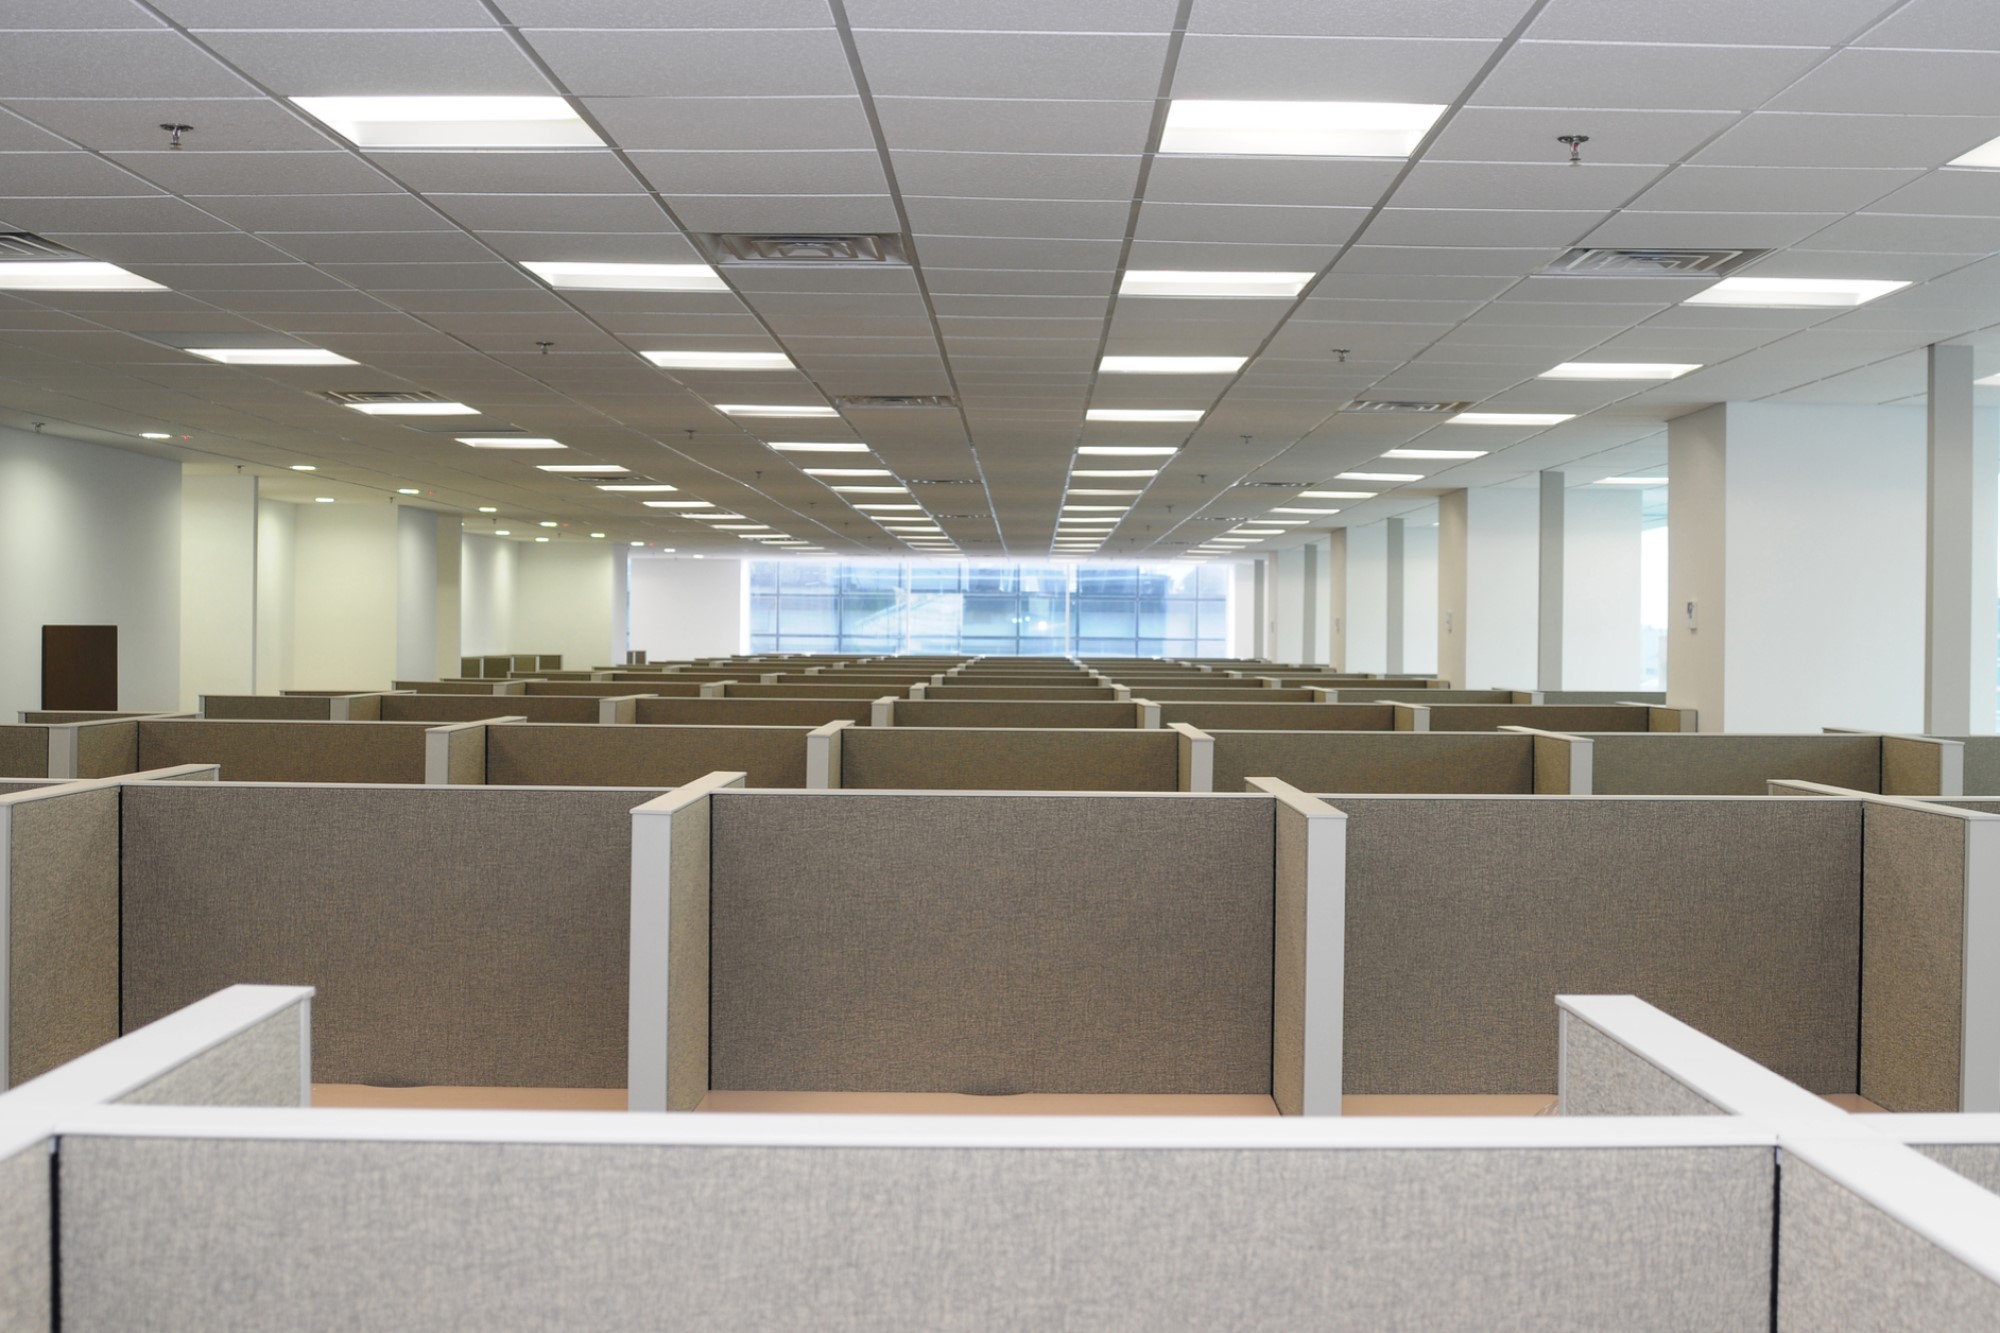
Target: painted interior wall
{"type": "Point", "coordinates": [1336, 597]}
{"type": "Point", "coordinates": [1420, 594]}
{"type": "Point", "coordinates": [1288, 605]}
{"type": "Point", "coordinates": [1320, 641]}
{"type": "Point", "coordinates": [687, 608]}
{"type": "Point", "coordinates": [486, 577]}
{"type": "Point", "coordinates": [417, 593]}
{"type": "Point", "coordinates": [1601, 641]}
{"type": "Point", "coordinates": [1368, 598]}
{"type": "Point", "coordinates": [444, 640]}
{"type": "Point", "coordinates": [1489, 556]}
{"type": "Point", "coordinates": [345, 594]}
{"type": "Point", "coordinates": [277, 572]}
{"type": "Point", "coordinates": [89, 536]}
{"type": "Point", "coordinates": [218, 629]}
{"type": "Point", "coordinates": [1243, 609]}
{"type": "Point", "coordinates": [567, 602]}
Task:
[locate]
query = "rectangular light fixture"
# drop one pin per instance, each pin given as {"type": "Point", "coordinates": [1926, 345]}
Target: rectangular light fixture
{"type": "Point", "coordinates": [870, 490]}
{"type": "Point", "coordinates": [773, 410]}
{"type": "Point", "coordinates": [1793, 293]}
{"type": "Point", "coordinates": [1142, 414]}
{"type": "Point", "coordinates": [742, 527]}
{"type": "Point", "coordinates": [452, 122]}
{"type": "Point", "coordinates": [271, 356]}
{"type": "Point", "coordinates": [1286, 522]}
{"type": "Point", "coordinates": [1618, 370]}
{"type": "Point", "coordinates": [819, 447]}
{"type": "Point", "coordinates": [1434, 453]}
{"type": "Point", "coordinates": [1257, 532]}
{"type": "Point", "coordinates": [1297, 129]}
{"type": "Point", "coordinates": [1096, 509]}
{"type": "Point", "coordinates": [1987, 155]}
{"type": "Point", "coordinates": [1115, 472]}
{"type": "Point", "coordinates": [847, 472]}
{"type": "Point", "coordinates": [413, 409]}
{"type": "Point", "coordinates": [1171, 365]}
{"type": "Point", "coordinates": [1631, 481]}
{"type": "Point", "coordinates": [887, 508]}
{"type": "Point", "coordinates": [719, 516]}
{"type": "Point", "coordinates": [719, 360]}
{"type": "Point", "coordinates": [578, 276]}
{"type": "Point", "coordinates": [585, 469]}
{"type": "Point", "coordinates": [73, 275]}
{"type": "Point", "coordinates": [652, 488]}
{"type": "Point", "coordinates": [1284, 510]}
{"type": "Point", "coordinates": [1129, 450]}
{"type": "Point", "coordinates": [678, 504]}
{"type": "Point", "coordinates": [1078, 490]}
{"type": "Point", "coordinates": [510, 442]}
{"type": "Point", "coordinates": [1510, 418]}
{"type": "Point", "coordinates": [1378, 476]}
{"type": "Point", "coordinates": [1205, 285]}
{"type": "Point", "coordinates": [1337, 495]}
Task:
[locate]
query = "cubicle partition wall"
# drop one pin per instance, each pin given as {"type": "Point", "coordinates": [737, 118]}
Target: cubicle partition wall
{"type": "Point", "coordinates": [293, 707]}
{"type": "Point", "coordinates": [1359, 761]}
{"type": "Point", "coordinates": [436, 708]}
{"type": "Point", "coordinates": [460, 686]}
{"type": "Point", "coordinates": [1007, 759]}
{"type": "Point", "coordinates": [1276, 716]}
{"type": "Point", "coordinates": [250, 751]}
{"type": "Point", "coordinates": [1727, 764]}
{"type": "Point", "coordinates": [641, 756]}
{"type": "Point", "coordinates": [1060, 715]}
{"type": "Point", "coordinates": [749, 712]}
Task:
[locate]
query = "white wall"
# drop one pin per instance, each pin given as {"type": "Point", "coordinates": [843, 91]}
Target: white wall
{"type": "Point", "coordinates": [89, 536]}
{"type": "Point", "coordinates": [1601, 588]}
{"type": "Point", "coordinates": [1336, 598]}
{"type": "Point", "coordinates": [416, 593]}
{"type": "Point", "coordinates": [1243, 609]}
{"type": "Point", "coordinates": [486, 578]}
{"type": "Point", "coordinates": [567, 601]}
{"type": "Point", "coordinates": [1799, 531]}
{"type": "Point", "coordinates": [1489, 562]}
{"type": "Point", "coordinates": [1420, 595]}
{"type": "Point", "coordinates": [1288, 605]}
{"type": "Point", "coordinates": [218, 586]}
{"type": "Point", "coordinates": [1368, 598]}
{"type": "Point", "coordinates": [450, 554]}
{"type": "Point", "coordinates": [277, 577]}
{"type": "Point", "coordinates": [344, 596]}
{"type": "Point", "coordinates": [687, 608]}
{"type": "Point", "coordinates": [1322, 621]}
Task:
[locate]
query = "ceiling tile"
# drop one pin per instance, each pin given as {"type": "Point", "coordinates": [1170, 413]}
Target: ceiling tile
{"type": "Point", "coordinates": [1822, 23]}
{"type": "Point", "coordinates": [357, 64]}
{"type": "Point", "coordinates": [66, 173]}
{"type": "Point", "coordinates": [1905, 83]}
{"type": "Point", "coordinates": [1468, 227]}
{"type": "Point", "coordinates": [1517, 186]}
{"type": "Point", "coordinates": [321, 212]}
{"type": "Point", "coordinates": [1684, 78]}
{"type": "Point", "coordinates": [157, 63]}
{"type": "Point", "coordinates": [256, 173]}
{"type": "Point", "coordinates": [1792, 139]}
{"type": "Point", "coordinates": [978, 124]}
{"type": "Point", "coordinates": [1772, 188]}
{"type": "Point", "coordinates": [1761, 230]}
{"type": "Point", "coordinates": [1358, 18]}
{"type": "Point", "coordinates": [782, 63]}
{"type": "Point", "coordinates": [1011, 64]}
{"type": "Point", "coordinates": [1323, 69]}
{"type": "Point", "coordinates": [774, 173]}
{"type": "Point", "coordinates": [1248, 224]}
{"type": "Point", "coordinates": [235, 124]}
{"type": "Point", "coordinates": [552, 212]}
{"type": "Point", "coordinates": [316, 15]}
{"type": "Point", "coordinates": [780, 213]}
{"type": "Point", "coordinates": [1230, 180]}
{"type": "Point", "coordinates": [735, 124]}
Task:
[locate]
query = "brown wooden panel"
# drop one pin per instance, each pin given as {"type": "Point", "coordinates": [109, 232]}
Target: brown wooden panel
{"type": "Point", "coordinates": [80, 666]}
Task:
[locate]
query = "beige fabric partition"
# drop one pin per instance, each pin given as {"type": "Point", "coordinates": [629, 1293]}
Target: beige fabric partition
{"type": "Point", "coordinates": [991, 943]}
{"type": "Point", "coordinates": [642, 756]}
{"type": "Point", "coordinates": [1982, 765]}
{"type": "Point", "coordinates": [1923, 766]}
{"type": "Point", "coordinates": [1009, 759]}
{"type": "Point", "coordinates": [749, 712]}
{"type": "Point", "coordinates": [1730, 764]}
{"type": "Point", "coordinates": [106, 749]}
{"type": "Point", "coordinates": [1222, 694]}
{"type": "Point", "coordinates": [59, 902]}
{"type": "Point", "coordinates": [1377, 761]}
{"type": "Point", "coordinates": [289, 751]}
{"type": "Point", "coordinates": [1277, 717]}
{"type": "Point", "coordinates": [461, 936]}
{"type": "Point", "coordinates": [1022, 693]}
{"type": "Point", "coordinates": [1368, 694]}
{"type": "Point", "coordinates": [1546, 717]}
{"type": "Point", "coordinates": [594, 689]}
{"type": "Point", "coordinates": [1467, 916]}
{"type": "Point", "coordinates": [268, 707]}
{"type": "Point", "coordinates": [1001, 713]}
{"type": "Point", "coordinates": [848, 693]}
{"type": "Point", "coordinates": [24, 751]}
{"type": "Point", "coordinates": [435, 708]}
{"type": "Point", "coordinates": [460, 686]}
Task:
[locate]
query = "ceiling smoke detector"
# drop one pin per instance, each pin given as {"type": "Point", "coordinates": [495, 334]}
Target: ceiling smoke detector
{"type": "Point", "coordinates": [1388, 405]}
{"type": "Point", "coordinates": [1598, 262]}
{"type": "Point", "coordinates": [868, 401]}
{"type": "Point", "coordinates": [870, 248]}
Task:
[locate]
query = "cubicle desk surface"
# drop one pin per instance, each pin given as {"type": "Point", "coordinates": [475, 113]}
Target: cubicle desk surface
{"type": "Point", "coordinates": [363, 1095]}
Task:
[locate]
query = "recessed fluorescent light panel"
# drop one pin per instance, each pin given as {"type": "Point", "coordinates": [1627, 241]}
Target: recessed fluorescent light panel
{"type": "Point", "coordinates": [1128, 451]}
{"type": "Point", "coordinates": [1077, 490]}
{"type": "Point", "coordinates": [1305, 511]}
{"type": "Point", "coordinates": [653, 488]}
{"type": "Point", "coordinates": [155, 435]}
{"type": "Point", "coordinates": [1617, 370]}
{"type": "Point", "coordinates": [1141, 414]}
{"type": "Point", "coordinates": [773, 410]}
{"type": "Point", "coordinates": [271, 356]}
{"type": "Point", "coordinates": [1434, 453]}
{"type": "Point", "coordinates": [1204, 285]}
{"type": "Point", "coordinates": [452, 122]}
{"type": "Point", "coordinates": [584, 469]}
{"type": "Point", "coordinates": [809, 447]}
{"type": "Point", "coordinates": [304, 467]}
{"type": "Point", "coordinates": [1793, 293]}
{"type": "Point", "coordinates": [679, 504]}
{"type": "Point", "coordinates": [1631, 481]}
{"type": "Point", "coordinates": [847, 472]}
{"type": "Point", "coordinates": [1507, 419]}
{"type": "Point", "coordinates": [719, 360]}
{"type": "Point", "coordinates": [72, 275]}
{"type": "Point", "coordinates": [1297, 129]}
{"type": "Point", "coordinates": [1171, 365]}
{"type": "Point", "coordinates": [413, 409]}
{"type": "Point", "coordinates": [1114, 472]}
{"type": "Point", "coordinates": [904, 509]}
{"type": "Point", "coordinates": [409, 491]}
{"type": "Point", "coordinates": [509, 442]}
{"type": "Point", "coordinates": [870, 490]}
{"type": "Point", "coordinates": [1372, 476]}
{"type": "Point", "coordinates": [1337, 495]}
{"type": "Point", "coordinates": [589, 277]}
{"type": "Point", "coordinates": [1987, 155]}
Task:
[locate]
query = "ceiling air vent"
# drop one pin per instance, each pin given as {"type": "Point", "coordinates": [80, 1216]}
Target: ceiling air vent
{"type": "Point", "coordinates": [24, 247]}
{"type": "Point", "coordinates": [805, 248]}
{"type": "Point", "coordinates": [1596, 262]}
{"type": "Point", "coordinates": [869, 401]}
{"type": "Point", "coordinates": [1272, 485]}
{"type": "Point", "coordinates": [386, 396]}
{"type": "Point", "coordinates": [1387, 405]}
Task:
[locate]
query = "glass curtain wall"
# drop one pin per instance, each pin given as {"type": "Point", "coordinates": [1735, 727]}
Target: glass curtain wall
{"type": "Point", "coordinates": [993, 609]}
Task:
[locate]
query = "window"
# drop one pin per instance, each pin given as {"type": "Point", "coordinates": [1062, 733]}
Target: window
{"type": "Point", "coordinates": [995, 609]}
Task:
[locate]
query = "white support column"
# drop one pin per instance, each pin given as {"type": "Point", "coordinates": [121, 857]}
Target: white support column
{"type": "Point", "coordinates": [1959, 553]}
{"type": "Point", "coordinates": [1336, 599]}
{"type": "Point", "coordinates": [1486, 562]}
{"type": "Point", "coordinates": [1394, 663]}
{"type": "Point", "coordinates": [1309, 601]}
{"type": "Point", "coordinates": [1549, 601]}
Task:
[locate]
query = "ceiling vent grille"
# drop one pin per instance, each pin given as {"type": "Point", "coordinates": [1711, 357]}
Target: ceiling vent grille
{"type": "Point", "coordinates": [1597, 262]}
{"type": "Point", "coordinates": [944, 481]}
{"type": "Point", "coordinates": [24, 247]}
{"type": "Point", "coordinates": [961, 516]}
{"type": "Point", "coordinates": [864, 248]}
{"type": "Point", "coordinates": [387, 396]}
{"type": "Point", "coordinates": [1272, 485]}
{"type": "Point", "coordinates": [1388, 405]}
{"type": "Point", "coordinates": [872, 401]}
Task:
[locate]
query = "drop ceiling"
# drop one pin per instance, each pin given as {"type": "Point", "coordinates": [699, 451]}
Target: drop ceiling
{"type": "Point", "coordinates": [1009, 143]}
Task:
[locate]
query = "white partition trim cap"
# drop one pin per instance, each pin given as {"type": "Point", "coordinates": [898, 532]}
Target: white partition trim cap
{"type": "Point", "coordinates": [1107, 1133]}
{"type": "Point", "coordinates": [823, 754]}
{"type": "Point", "coordinates": [1939, 1127]}
{"type": "Point", "coordinates": [1928, 1198]}
{"type": "Point", "coordinates": [1730, 1079]}
{"type": "Point", "coordinates": [25, 1129]}
{"type": "Point", "coordinates": [62, 750]}
{"type": "Point", "coordinates": [1979, 1027]}
{"type": "Point", "coordinates": [173, 773]}
{"type": "Point", "coordinates": [882, 712]}
{"type": "Point", "coordinates": [164, 1045]}
{"type": "Point", "coordinates": [1149, 714]}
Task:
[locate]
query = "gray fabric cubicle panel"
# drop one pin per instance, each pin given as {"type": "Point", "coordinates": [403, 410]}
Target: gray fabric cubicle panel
{"type": "Point", "coordinates": [107, 749]}
{"type": "Point", "coordinates": [1977, 1162]}
{"type": "Point", "coordinates": [688, 963]}
{"type": "Point", "coordinates": [289, 751]}
{"type": "Point", "coordinates": [1844, 1263]}
{"type": "Point", "coordinates": [1276, 717]}
{"type": "Point", "coordinates": [1008, 759]}
{"type": "Point", "coordinates": [1108, 714]}
{"type": "Point", "coordinates": [465, 755]}
{"type": "Point", "coordinates": [62, 956]}
{"type": "Point", "coordinates": [991, 943]}
{"type": "Point", "coordinates": [1359, 761]}
{"type": "Point", "coordinates": [27, 1235]}
{"type": "Point", "coordinates": [476, 707]}
{"type": "Point", "coordinates": [1466, 917]}
{"type": "Point", "coordinates": [267, 707]}
{"type": "Point", "coordinates": [602, 689]}
{"type": "Point", "coordinates": [1224, 694]}
{"type": "Point", "coordinates": [1913, 959]}
{"type": "Point", "coordinates": [1697, 764]}
{"type": "Point", "coordinates": [24, 751]}
{"type": "Point", "coordinates": [1603, 1077]}
{"type": "Point", "coordinates": [1982, 765]}
{"type": "Point", "coordinates": [257, 1067]}
{"type": "Point", "coordinates": [401, 1235]}
{"type": "Point", "coordinates": [466, 936]}
{"type": "Point", "coordinates": [534, 755]}
{"type": "Point", "coordinates": [1551, 765]}
{"type": "Point", "coordinates": [1912, 767]}
{"type": "Point", "coordinates": [1547, 717]}
{"type": "Point", "coordinates": [750, 712]}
